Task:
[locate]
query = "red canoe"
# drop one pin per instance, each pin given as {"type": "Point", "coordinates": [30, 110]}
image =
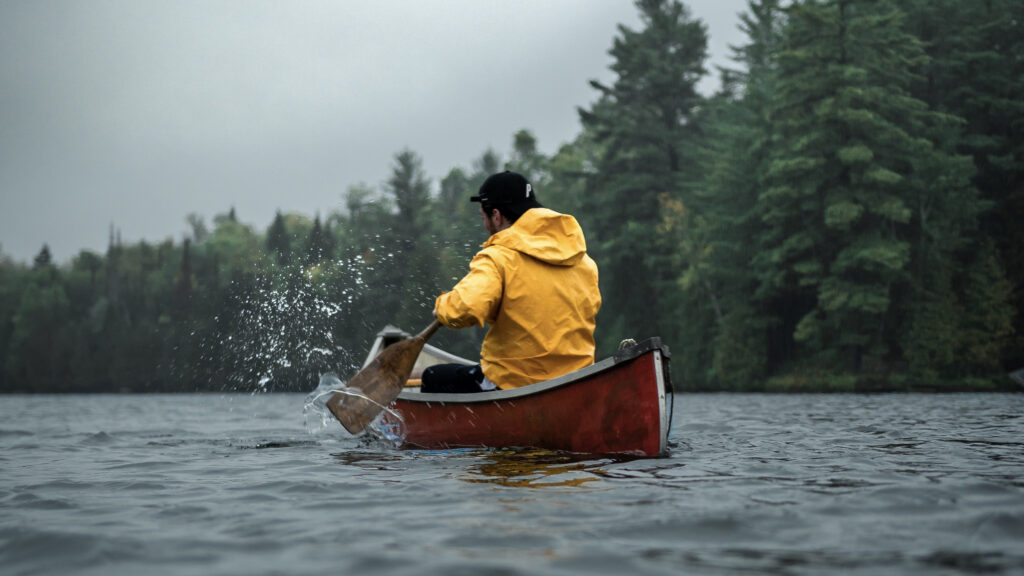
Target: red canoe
{"type": "Point", "coordinates": [616, 406]}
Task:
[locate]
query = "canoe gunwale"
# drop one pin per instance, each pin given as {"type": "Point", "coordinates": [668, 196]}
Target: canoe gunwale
{"type": "Point", "coordinates": [646, 346]}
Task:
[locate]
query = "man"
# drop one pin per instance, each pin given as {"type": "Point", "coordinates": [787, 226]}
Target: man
{"type": "Point", "coordinates": [533, 283]}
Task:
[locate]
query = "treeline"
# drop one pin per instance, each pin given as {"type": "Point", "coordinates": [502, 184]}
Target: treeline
{"type": "Point", "coordinates": [234, 308]}
{"type": "Point", "coordinates": [843, 214]}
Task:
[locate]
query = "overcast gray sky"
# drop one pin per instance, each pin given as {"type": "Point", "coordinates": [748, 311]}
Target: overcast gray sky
{"type": "Point", "coordinates": [138, 113]}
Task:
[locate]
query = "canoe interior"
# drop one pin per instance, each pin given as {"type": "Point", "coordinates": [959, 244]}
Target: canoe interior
{"type": "Point", "coordinates": [428, 357]}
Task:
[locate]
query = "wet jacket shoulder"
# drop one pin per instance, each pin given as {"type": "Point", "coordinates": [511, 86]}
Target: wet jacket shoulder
{"type": "Point", "coordinates": [536, 287]}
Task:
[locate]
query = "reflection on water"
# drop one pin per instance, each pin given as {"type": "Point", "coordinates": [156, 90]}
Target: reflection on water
{"type": "Point", "coordinates": [535, 468]}
{"type": "Point", "coordinates": [367, 456]}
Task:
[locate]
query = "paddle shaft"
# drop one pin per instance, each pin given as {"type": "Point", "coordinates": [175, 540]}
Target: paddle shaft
{"type": "Point", "coordinates": [428, 331]}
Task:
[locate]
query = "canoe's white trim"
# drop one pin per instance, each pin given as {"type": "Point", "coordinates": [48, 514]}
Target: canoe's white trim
{"type": "Point", "coordinates": [663, 425]}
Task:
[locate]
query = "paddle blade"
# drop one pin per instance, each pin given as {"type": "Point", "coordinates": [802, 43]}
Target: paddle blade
{"type": "Point", "coordinates": [380, 382]}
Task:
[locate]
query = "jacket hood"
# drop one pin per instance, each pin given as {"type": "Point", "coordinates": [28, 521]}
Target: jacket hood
{"type": "Point", "coordinates": [546, 235]}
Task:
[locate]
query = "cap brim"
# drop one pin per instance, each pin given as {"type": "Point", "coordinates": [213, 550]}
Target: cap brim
{"type": "Point", "coordinates": [474, 198]}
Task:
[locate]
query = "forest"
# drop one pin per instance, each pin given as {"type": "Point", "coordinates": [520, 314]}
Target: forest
{"type": "Point", "coordinates": [844, 214]}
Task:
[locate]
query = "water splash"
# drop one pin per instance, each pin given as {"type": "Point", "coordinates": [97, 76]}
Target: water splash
{"type": "Point", "coordinates": [281, 329]}
{"type": "Point", "coordinates": [285, 331]}
{"type": "Point", "coordinates": [289, 326]}
{"type": "Point", "coordinates": [315, 414]}
{"type": "Point", "coordinates": [387, 429]}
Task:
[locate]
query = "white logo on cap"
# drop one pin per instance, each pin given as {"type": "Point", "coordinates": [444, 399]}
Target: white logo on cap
{"type": "Point", "coordinates": [529, 189]}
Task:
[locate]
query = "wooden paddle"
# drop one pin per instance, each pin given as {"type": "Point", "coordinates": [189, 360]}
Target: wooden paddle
{"type": "Point", "coordinates": [380, 381]}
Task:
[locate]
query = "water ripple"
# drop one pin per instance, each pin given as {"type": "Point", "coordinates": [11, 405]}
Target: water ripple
{"type": "Point", "coordinates": [810, 484]}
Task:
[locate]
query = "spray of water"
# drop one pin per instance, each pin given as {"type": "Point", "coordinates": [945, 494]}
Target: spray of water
{"type": "Point", "coordinates": [293, 326]}
{"type": "Point", "coordinates": [281, 330]}
{"type": "Point", "coordinates": [284, 335]}
{"type": "Point", "coordinates": [387, 429]}
{"type": "Point", "coordinates": [315, 413]}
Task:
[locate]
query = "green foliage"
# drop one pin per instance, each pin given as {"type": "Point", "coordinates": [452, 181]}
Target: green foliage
{"type": "Point", "coordinates": [43, 258]}
{"type": "Point", "coordinates": [278, 242]}
{"type": "Point", "coordinates": [527, 160]}
{"type": "Point", "coordinates": [977, 74]}
{"type": "Point", "coordinates": [846, 179]}
{"type": "Point", "coordinates": [933, 337]}
{"type": "Point", "coordinates": [568, 170]}
{"type": "Point", "coordinates": [644, 123]}
{"type": "Point", "coordinates": [812, 382]}
{"type": "Point", "coordinates": [844, 215]}
{"type": "Point", "coordinates": [36, 322]}
{"type": "Point", "coordinates": [988, 315]}
{"type": "Point", "coordinates": [833, 192]}
{"type": "Point", "coordinates": [414, 277]}
{"type": "Point", "coordinates": [739, 352]}
{"type": "Point", "coordinates": [320, 244]}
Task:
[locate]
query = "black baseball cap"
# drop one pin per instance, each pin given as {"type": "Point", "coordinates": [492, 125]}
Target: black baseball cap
{"type": "Point", "coordinates": [507, 189]}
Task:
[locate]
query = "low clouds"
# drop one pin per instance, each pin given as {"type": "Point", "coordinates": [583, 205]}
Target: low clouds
{"type": "Point", "coordinates": [137, 113]}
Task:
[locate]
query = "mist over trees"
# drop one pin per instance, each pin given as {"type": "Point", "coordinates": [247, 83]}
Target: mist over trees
{"type": "Point", "coordinates": [844, 214]}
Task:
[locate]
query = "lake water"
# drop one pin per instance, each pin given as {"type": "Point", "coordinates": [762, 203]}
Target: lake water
{"type": "Point", "coordinates": [240, 484]}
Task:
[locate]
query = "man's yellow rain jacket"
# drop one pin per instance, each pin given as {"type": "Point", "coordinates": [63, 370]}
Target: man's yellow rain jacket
{"type": "Point", "coordinates": [534, 284]}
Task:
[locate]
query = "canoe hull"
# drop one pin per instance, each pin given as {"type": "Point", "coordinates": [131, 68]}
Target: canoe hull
{"type": "Point", "coordinates": [617, 406]}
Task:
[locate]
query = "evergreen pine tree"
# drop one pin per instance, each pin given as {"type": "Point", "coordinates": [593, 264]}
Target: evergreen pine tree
{"type": "Point", "coordinates": [977, 74]}
{"type": "Point", "coordinates": [933, 332]}
{"type": "Point", "coordinates": [43, 258]}
{"type": "Point", "coordinates": [414, 266]}
{"type": "Point", "coordinates": [456, 225]}
{"type": "Point", "coordinates": [488, 163]}
{"type": "Point", "coordinates": [527, 160]}
{"type": "Point", "coordinates": [735, 154]}
{"type": "Point", "coordinates": [183, 287]}
{"type": "Point", "coordinates": [645, 123]}
{"type": "Point", "coordinates": [318, 244]}
{"type": "Point", "coordinates": [988, 315]}
{"type": "Point", "coordinates": [854, 157]}
{"type": "Point", "coordinates": [278, 242]}
{"type": "Point", "coordinates": [568, 172]}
